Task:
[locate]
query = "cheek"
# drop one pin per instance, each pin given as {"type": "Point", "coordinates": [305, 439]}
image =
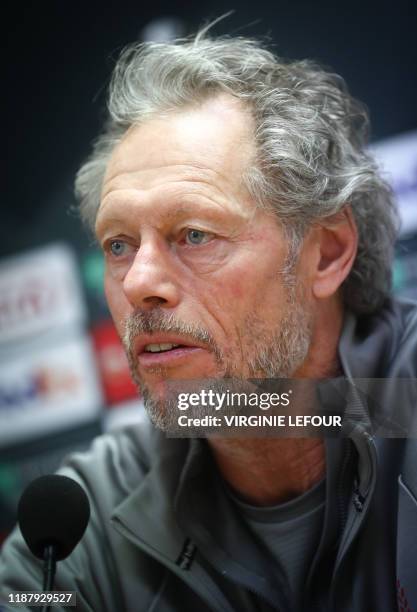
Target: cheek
{"type": "Point", "coordinates": [231, 294]}
{"type": "Point", "coordinates": [231, 286]}
{"type": "Point", "coordinates": [249, 281]}
{"type": "Point", "coordinates": [118, 305]}
{"type": "Point", "coordinates": [236, 289]}
{"type": "Point", "coordinates": [250, 287]}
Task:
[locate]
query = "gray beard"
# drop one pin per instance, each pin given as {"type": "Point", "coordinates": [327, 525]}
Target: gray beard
{"type": "Point", "coordinates": [277, 354]}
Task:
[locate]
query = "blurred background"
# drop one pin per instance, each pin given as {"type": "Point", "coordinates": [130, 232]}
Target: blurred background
{"type": "Point", "coordinates": [63, 374]}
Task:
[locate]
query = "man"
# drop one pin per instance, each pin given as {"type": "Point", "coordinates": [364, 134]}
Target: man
{"type": "Point", "coordinates": [246, 234]}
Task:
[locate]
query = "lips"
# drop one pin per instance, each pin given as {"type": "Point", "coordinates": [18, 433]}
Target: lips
{"type": "Point", "coordinates": [148, 354]}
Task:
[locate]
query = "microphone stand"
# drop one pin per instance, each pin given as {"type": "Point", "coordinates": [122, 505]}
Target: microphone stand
{"type": "Point", "coordinates": [49, 568]}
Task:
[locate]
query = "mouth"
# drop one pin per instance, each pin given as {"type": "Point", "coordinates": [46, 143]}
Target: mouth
{"type": "Point", "coordinates": [164, 350]}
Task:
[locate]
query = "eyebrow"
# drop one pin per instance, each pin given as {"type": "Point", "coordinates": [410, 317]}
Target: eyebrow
{"type": "Point", "coordinates": [183, 210]}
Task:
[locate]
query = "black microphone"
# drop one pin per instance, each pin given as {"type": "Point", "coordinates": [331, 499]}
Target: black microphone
{"type": "Point", "coordinates": [53, 514]}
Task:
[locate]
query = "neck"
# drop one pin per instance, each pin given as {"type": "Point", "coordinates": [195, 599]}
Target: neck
{"type": "Point", "coordinates": [266, 472]}
{"type": "Point", "coordinates": [269, 471]}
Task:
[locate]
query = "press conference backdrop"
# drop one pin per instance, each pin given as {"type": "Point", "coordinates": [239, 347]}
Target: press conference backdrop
{"type": "Point", "coordinates": [63, 374]}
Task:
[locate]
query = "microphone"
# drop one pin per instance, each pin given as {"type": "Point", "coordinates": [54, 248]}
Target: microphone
{"type": "Point", "coordinates": [53, 514]}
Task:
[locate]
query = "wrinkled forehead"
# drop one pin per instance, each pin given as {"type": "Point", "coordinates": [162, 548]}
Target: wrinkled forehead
{"type": "Point", "coordinates": [214, 140]}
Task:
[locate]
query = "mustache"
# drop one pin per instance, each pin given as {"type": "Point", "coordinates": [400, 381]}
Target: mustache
{"type": "Point", "coordinates": [152, 321]}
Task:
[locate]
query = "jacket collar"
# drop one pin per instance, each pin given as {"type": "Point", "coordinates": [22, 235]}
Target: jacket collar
{"type": "Point", "coordinates": [369, 343]}
{"type": "Point", "coordinates": [148, 512]}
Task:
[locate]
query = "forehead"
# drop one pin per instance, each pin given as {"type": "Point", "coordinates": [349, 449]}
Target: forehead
{"type": "Point", "coordinates": [209, 143]}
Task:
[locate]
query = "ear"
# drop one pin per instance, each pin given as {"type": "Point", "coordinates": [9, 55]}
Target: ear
{"type": "Point", "coordinates": [337, 243]}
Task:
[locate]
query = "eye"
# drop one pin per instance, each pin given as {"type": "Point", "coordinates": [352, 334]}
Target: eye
{"type": "Point", "coordinates": [117, 248]}
{"type": "Point", "coordinates": [195, 237]}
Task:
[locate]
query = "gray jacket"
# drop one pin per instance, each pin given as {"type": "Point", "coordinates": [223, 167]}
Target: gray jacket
{"type": "Point", "coordinates": [161, 537]}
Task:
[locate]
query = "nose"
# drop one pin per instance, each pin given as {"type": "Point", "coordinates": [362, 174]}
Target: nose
{"type": "Point", "coordinates": [150, 280]}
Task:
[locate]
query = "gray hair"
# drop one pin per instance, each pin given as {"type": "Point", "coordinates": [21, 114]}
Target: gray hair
{"type": "Point", "coordinates": [310, 137]}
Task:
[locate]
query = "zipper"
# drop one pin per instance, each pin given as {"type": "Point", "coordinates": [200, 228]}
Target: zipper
{"type": "Point", "coordinates": [313, 599]}
{"type": "Point", "coordinates": [360, 499]}
{"type": "Point", "coordinates": [186, 558]}
{"type": "Point", "coordinates": [341, 492]}
{"type": "Point", "coordinates": [211, 599]}
{"type": "Point", "coordinates": [187, 555]}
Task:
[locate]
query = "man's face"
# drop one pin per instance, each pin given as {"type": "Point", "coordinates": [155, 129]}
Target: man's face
{"type": "Point", "coordinates": [190, 260]}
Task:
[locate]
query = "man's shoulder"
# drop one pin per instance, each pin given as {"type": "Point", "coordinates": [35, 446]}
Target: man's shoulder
{"type": "Point", "coordinates": [402, 313]}
{"type": "Point", "coordinates": [117, 462]}
{"type": "Point", "coordinates": [401, 320]}
{"type": "Point", "coordinates": [381, 344]}
{"type": "Point", "coordinates": [396, 321]}
{"type": "Point", "coordinates": [115, 469]}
